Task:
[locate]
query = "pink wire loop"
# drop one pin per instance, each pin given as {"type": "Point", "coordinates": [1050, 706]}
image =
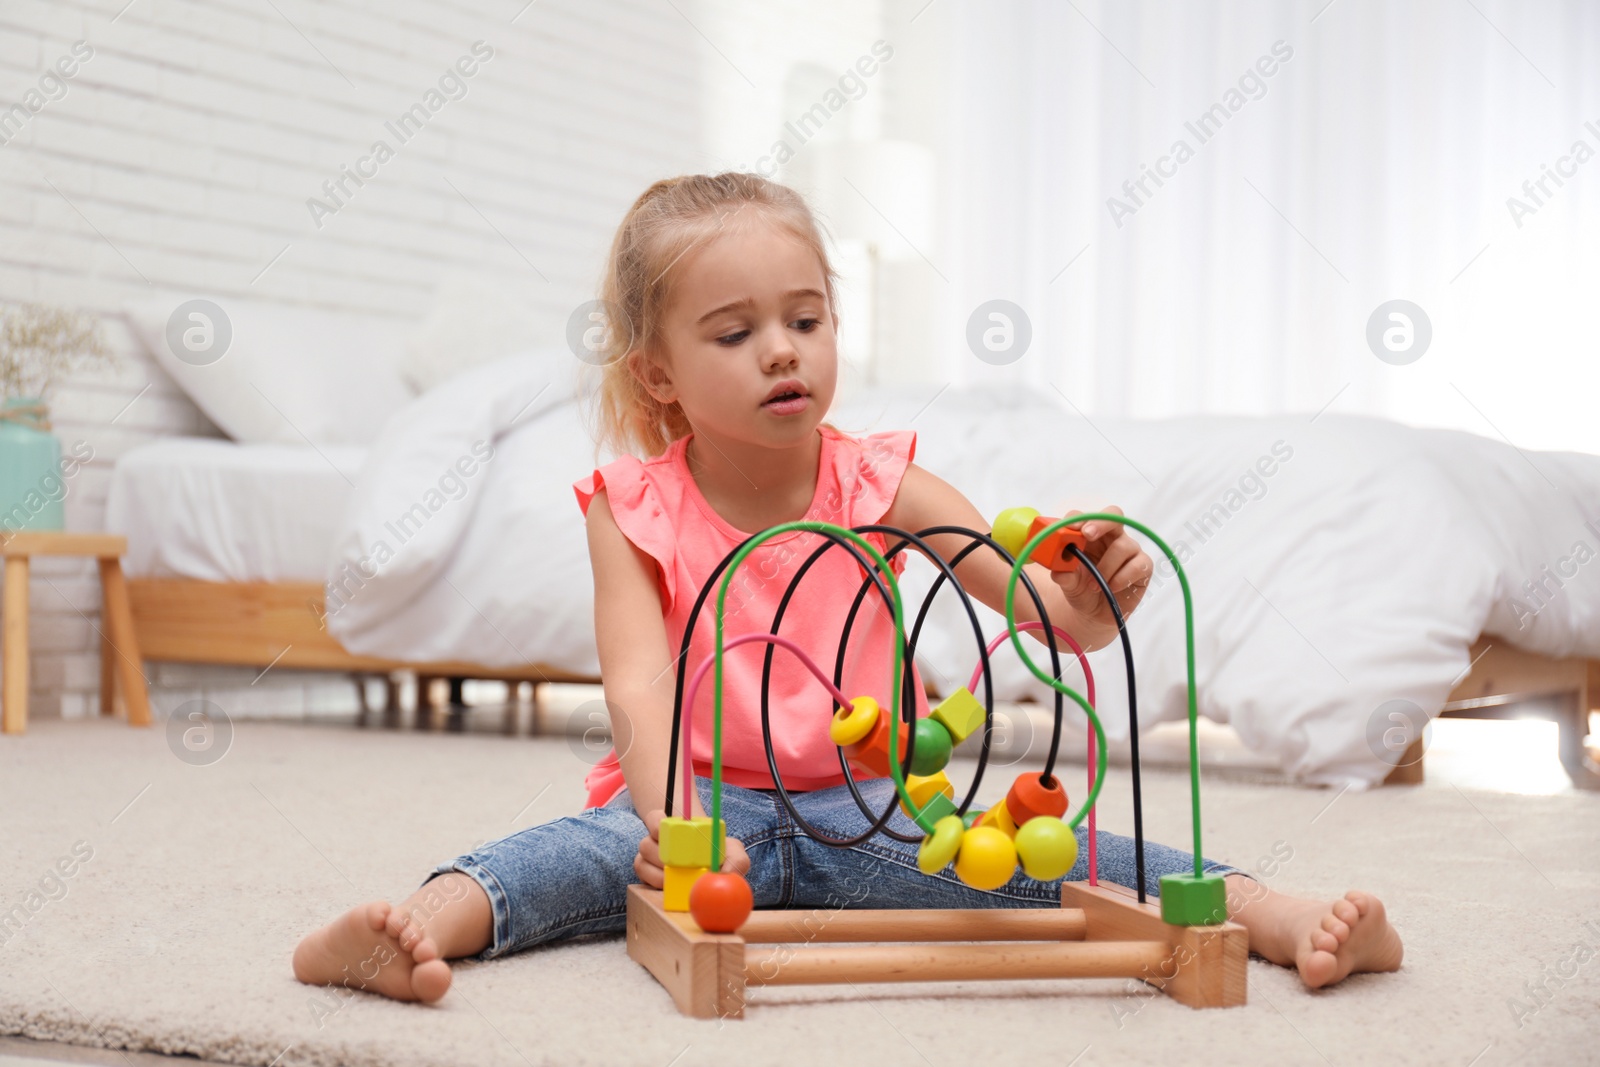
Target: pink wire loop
{"type": "Point", "coordinates": [1088, 678]}
{"type": "Point", "coordinates": [707, 664]}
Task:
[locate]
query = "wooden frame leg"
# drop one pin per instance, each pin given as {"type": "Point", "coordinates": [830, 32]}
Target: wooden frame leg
{"type": "Point", "coordinates": [704, 972]}
{"type": "Point", "coordinates": [1208, 964]}
{"type": "Point", "coordinates": [15, 641]}
{"type": "Point", "coordinates": [119, 631]}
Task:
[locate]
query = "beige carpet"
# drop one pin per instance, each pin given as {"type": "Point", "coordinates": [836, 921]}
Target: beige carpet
{"type": "Point", "coordinates": [175, 935]}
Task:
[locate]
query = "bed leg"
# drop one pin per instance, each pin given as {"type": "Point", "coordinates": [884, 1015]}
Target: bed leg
{"type": "Point", "coordinates": [1409, 770]}
{"type": "Point", "coordinates": [359, 681]}
{"type": "Point", "coordinates": [457, 721]}
{"type": "Point", "coordinates": [424, 717]}
{"type": "Point", "coordinates": [391, 702]}
{"type": "Point", "coordinates": [1572, 724]}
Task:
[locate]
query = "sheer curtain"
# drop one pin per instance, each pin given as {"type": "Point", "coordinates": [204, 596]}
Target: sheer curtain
{"type": "Point", "coordinates": [1340, 156]}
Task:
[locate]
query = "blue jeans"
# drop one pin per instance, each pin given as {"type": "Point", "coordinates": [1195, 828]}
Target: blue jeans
{"type": "Point", "coordinates": [570, 876]}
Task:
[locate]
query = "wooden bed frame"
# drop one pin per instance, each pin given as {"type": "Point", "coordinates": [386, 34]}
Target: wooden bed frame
{"type": "Point", "coordinates": [1500, 684]}
{"type": "Point", "coordinates": [257, 624]}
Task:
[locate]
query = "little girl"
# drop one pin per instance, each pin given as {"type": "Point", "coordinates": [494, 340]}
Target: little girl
{"type": "Point", "coordinates": [722, 363]}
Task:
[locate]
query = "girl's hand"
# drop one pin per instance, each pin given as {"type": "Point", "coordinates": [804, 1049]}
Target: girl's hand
{"type": "Point", "coordinates": [647, 863]}
{"type": "Point", "coordinates": [1119, 559]}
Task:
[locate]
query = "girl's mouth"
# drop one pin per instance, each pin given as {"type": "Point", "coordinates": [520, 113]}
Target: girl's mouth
{"type": "Point", "coordinates": [787, 404]}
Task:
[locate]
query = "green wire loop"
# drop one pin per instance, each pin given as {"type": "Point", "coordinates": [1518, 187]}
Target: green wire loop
{"type": "Point", "coordinates": [897, 673]}
{"type": "Point", "coordinates": [1061, 687]}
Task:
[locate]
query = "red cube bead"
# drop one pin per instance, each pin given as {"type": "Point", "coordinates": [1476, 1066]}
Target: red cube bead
{"type": "Point", "coordinates": [870, 756]}
{"type": "Point", "coordinates": [1052, 551]}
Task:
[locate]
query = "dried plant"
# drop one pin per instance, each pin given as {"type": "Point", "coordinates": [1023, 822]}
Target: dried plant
{"type": "Point", "coordinates": [38, 344]}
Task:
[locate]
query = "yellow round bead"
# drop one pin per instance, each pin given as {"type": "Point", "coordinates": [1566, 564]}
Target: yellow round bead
{"type": "Point", "coordinates": [1047, 847]}
{"type": "Point", "coordinates": [941, 846]}
{"type": "Point", "coordinates": [987, 859]}
{"type": "Point", "coordinates": [851, 724]}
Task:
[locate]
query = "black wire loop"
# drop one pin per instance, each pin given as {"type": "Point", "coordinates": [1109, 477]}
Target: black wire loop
{"type": "Point", "coordinates": [908, 702]}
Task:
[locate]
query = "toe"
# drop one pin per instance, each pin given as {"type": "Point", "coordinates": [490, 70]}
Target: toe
{"type": "Point", "coordinates": [431, 980]}
{"type": "Point", "coordinates": [1361, 901]}
{"type": "Point", "coordinates": [1318, 969]}
{"type": "Point", "coordinates": [1346, 912]}
{"type": "Point", "coordinates": [377, 914]}
{"type": "Point", "coordinates": [424, 950]}
{"type": "Point", "coordinates": [1335, 926]}
{"type": "Point", "coordinates": [1323, 941]}
{"type": "Point", "coordinates": [398, 921]}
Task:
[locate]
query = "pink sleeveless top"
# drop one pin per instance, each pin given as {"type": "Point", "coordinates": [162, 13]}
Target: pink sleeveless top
{"type": "Point", "coordinates": [659, 507]}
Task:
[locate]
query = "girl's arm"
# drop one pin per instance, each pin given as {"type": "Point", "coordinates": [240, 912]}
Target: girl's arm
{"type": "Point", "coordinates": [636, 665]}
{"type": "Point", "coordinates": [1073, 600]}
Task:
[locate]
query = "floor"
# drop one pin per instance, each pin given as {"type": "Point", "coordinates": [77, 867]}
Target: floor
{"type": "Point", "coordinates": [1506, 757]}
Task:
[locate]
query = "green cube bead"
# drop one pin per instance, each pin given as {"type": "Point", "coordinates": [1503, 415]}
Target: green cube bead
{"type": "Point", "coordinates": [960, 713]}
{"type": "Point", "coordinates": [1190, 901]}
{"type": "Point", "coordinates": [687, 842]}
{"type": "Point", "coordinates": [939, 805]}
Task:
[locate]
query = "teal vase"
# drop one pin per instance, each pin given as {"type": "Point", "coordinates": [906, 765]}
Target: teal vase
{"type": "Point", "coordinates": [31, 488]}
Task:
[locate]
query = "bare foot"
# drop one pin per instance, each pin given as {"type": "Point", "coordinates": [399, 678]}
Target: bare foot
{"type": "Point", "coordinates": [1331, 940]}
{"type": "Point", "coordinates": [374, 947]}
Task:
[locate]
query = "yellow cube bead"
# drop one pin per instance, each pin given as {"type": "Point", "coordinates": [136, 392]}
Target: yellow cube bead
{"type": "Point", "coordinates": [999, 817]}
{"type": "Point", "coordinates": [675, 894]}
{"type": "Point", "coordinates": [686, 842]}
{"type": "Point", "coordinates": [960, 713]}
{"type": "Point", "coordinates": [923, 787]}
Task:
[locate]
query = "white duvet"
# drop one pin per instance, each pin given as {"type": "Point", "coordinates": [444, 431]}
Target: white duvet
{"type": "Point", "coordinates": [1336, 565]}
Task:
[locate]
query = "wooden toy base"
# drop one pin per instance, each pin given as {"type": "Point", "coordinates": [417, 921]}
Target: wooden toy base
{"type": "Point", "coordinates": [1098, 932]}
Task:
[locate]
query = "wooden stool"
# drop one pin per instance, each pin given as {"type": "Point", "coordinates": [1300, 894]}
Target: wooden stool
{"type": "Point", "coordinates": [119, 647]}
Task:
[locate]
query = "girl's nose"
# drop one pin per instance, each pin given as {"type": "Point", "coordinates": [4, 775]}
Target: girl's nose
{"type": "Point", "coordinates": [781, 351]}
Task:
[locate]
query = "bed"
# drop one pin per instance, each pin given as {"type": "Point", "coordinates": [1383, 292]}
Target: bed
{"type": "Point", "coordinates": [1314, 642]}
{"type": "Point", "coordinates": [228, 548]}
{"type": "Point", "coordinates": [229, 538]}
{"type": "Point", "coordinates": [1307, 646]}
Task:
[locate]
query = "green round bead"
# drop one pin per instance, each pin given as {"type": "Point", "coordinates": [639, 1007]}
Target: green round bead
{"type": "Point", "coordinates": [933, 747]}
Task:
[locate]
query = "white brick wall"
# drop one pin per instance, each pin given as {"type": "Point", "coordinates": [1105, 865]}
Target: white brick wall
{"type": "Point", "coordinates": [184, 151]}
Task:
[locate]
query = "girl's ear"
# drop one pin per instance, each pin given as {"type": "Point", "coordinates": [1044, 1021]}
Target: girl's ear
{"type": "Point", "coordinates": [654, 377]}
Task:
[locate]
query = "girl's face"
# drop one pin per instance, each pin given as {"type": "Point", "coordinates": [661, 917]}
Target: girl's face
{"type": "Point", "coordinates": [748, 317]}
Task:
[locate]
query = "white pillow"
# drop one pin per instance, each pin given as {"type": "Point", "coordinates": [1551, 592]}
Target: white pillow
{"type": "Point", "coordinates": [276, 372]}
{"type": "Point", "coordinates": [474, 320]}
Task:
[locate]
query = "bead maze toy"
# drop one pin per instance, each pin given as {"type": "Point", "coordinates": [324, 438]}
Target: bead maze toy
{"type": "Point", "coordinates": [704, 942]}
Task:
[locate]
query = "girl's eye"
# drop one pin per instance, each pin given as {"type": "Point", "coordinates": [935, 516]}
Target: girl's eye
{"type": "Point", "coordinates": [733, 338]}
{"type": "Point", "coordinates": [805, 325]}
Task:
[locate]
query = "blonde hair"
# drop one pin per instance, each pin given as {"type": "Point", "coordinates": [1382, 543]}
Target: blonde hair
{"type": "Point", "coordinates": [668, 220]}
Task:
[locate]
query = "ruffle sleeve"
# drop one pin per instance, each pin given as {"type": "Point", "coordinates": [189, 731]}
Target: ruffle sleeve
{"type": "Point", "coordinates": [639, 516]}
{"type": "Point", "coordinates": [880, 462]}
